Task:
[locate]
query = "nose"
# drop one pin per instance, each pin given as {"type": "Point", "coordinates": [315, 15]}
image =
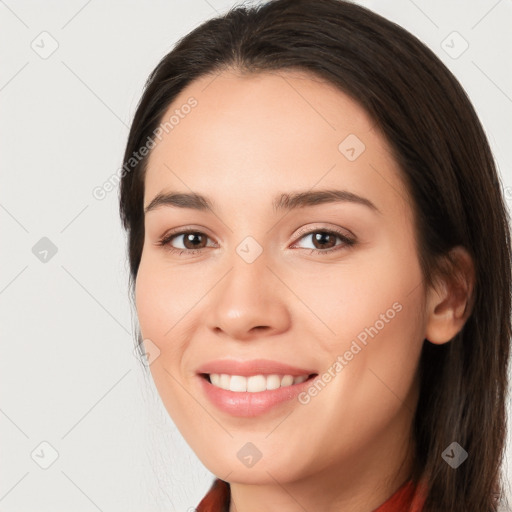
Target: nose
{"type": "Point", "coordinates": [248, 302]}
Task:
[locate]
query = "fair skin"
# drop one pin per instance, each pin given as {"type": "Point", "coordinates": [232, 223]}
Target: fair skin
{"type": "Point", "coordinates": [249, 139]}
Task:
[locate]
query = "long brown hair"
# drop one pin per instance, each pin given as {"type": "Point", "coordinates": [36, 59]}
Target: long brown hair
{"type": "Point", "coordinates": [447, 165]}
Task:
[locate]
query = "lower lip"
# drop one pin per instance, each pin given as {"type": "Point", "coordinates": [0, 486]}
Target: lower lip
{"type": "Point", "coordinates": [248, 405]}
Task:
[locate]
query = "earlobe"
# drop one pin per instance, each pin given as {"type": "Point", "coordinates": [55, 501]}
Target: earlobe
{"type": "Point", "coordinates": [450, 301]}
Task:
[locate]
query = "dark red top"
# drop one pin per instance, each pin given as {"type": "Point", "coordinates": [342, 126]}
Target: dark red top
{"type": "Point", "coordinates": [406, 499]}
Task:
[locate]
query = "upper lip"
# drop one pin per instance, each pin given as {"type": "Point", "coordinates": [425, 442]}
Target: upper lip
{"type": "Point", "coordinates": [252, 367]}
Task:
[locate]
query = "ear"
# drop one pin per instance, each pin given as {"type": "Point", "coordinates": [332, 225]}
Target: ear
{"type": "Point", "coordinates": [450, 300]}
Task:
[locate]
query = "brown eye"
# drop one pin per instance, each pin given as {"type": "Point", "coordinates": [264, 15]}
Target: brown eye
{"type": "Point", "coordinates": [324, 241]}
{"type": "Point", "coordinates": [192, 241]}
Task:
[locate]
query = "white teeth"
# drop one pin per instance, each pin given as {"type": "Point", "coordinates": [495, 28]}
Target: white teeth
{"type": "Point", "coordinates": [287, 380]}
{"type": "Point", "coordinates": [254, 383]}
{"type": "Point", "coordinates": [238, 383]}
{"type": "Point", "coordinates": [273, 381]}
{"type": "Point", "coordinates": [224, 381]}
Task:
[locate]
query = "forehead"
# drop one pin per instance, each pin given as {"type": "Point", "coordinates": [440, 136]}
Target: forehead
{"type": "Point", "coordinates": [269, 131]}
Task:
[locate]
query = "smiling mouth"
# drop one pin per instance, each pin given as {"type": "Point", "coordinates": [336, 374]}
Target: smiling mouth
{"type": "Point", "coordinates": [254, 383]}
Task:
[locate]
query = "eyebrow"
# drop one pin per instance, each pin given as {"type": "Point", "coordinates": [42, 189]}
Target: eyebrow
{"type": "Point", "coordinates": [282, 202]}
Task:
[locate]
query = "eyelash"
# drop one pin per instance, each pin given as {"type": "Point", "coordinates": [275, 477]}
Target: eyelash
{"type": "Point", "coordinates": [347, 242]}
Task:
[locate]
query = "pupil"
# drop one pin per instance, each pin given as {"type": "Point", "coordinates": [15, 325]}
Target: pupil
{"type": "Point", "coordinates": [190, 238]}
{"type": "Point", "coordinates": [319, 237]}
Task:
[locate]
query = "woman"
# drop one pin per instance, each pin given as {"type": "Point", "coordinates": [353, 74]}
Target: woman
{"type": "Point", "coordinates": [366, 370]}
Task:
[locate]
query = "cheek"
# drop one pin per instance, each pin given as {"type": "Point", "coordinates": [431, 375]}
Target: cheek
{"type": "Point", "coordinates": [349, 301]}
{"type": "Point", "coordinates": [380, 328]}
{"type": "Point", "coordinates": [158, 300]}
{"type": "Point", "coordinates": [160, 307]}
{"type": "Point", "coordinates": [375, 314]}
{"type": "Point", "coordinates": [147, 302]}
{"type": "Point", "coordinates": [375, 378]}
{"type": "Point", "coordinates": [159, 290]}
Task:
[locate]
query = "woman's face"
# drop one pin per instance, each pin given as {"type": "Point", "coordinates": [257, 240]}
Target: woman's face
{"type": "Point", "coordinates": [328, 284]}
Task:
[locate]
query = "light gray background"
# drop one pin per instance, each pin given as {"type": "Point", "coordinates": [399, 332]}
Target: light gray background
{"type": "Point", "coordinates": [68, 374]}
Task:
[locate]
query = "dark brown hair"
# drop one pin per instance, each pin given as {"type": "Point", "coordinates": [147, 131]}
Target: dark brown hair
{"type": "Point", "coordinates": [454, 189]}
